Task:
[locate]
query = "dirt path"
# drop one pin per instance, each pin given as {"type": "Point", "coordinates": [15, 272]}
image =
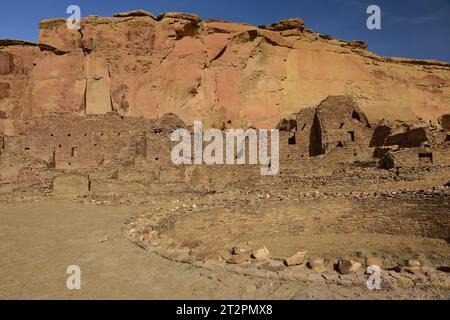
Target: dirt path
{"type": "Point", "coordinates": [38, 241]}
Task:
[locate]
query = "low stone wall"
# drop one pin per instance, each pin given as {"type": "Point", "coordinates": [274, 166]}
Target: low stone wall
{"type": "Point", "coordinates": [427, 216]}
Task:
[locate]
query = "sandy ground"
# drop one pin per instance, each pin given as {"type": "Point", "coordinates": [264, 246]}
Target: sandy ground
{"type": "Point", "coordinates": [38, 241]}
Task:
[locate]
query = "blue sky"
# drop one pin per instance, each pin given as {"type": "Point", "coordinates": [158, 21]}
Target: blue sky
{"type": "Point", "coordinates": [410, 28]}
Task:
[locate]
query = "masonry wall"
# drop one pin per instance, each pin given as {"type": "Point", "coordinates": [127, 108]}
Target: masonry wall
{"type": "Point", "coordinates": [415, 157]}
{"type": "Point", "coordinates": [307, 133]}
{"type": "Point", "coordinates": [427, 217]}
{"type": "Point", "coordinates": [78, 143]}
{"type": "Point", "coordinates": [336, 123]}
{"type": "Point", "coordinates": [343, 124]}
{"type": "Point", "coordinates": [409, 139]}
{"type": "Point", "coordinates": [445, 123]}
{"type": "Point", "coordinates": [18, 171]}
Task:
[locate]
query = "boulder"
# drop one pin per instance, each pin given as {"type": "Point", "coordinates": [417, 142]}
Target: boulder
{"type": "Point", "coordinates": [358, 44]}
{"type": "Point", "coordinates": [356, 266]}
{"type": "Point", "coordinates": [413, 263]}
{"type": "Point", "coordinates": [273, 266]}
{"type": "Point", "coordinates": [195, 19]}
{"type": "Point", "coordinates": [331, 264]}
{"type": "Point", "coordinates": [405, 282]}
{"type": "Point", "coordinates": [287, 24]}
{"type": "Point", "coordinates": [296, 259]}
{"type": "Point", "coordinates": [134, 13]}
{"type": "Point", "coordinates": [345, 266]}
{"type": "Point", "coordinates": [316, 264]}
{"type": "Point", "coordinates": [374, 261]}
{"type": "Point", "coordinates": [239, 259]}
{"type": "Point", "coordinates": [261, 254]}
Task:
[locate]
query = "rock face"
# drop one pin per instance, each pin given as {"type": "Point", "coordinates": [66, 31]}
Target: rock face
{"type": "Point", "coordinates": [136, 65]}
{"type": "Point", "coordinates": [6, 63]}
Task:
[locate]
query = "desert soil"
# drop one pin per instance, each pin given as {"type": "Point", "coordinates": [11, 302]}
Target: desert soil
{"type": "Point", "coordinates": [39, 240]}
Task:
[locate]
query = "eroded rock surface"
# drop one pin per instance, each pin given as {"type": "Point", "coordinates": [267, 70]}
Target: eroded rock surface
{"type": "Point", "coordinates": [136, 65]}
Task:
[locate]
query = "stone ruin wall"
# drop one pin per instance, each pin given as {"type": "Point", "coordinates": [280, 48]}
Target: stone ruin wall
{"type": "Point", "coordinates": [73, 143]}
{"type": "Point", "coordinates": [426, 217]}
{"type": "Point", "coordinates": [336, 123]}
{"type": "Point", "coordinates": [445, 123]}
{"type": "Point", "coordinates": [120, 154]}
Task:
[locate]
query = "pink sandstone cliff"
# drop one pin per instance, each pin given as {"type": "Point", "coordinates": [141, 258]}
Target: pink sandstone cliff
{"type": "Point", "coordinates": [228, 74]}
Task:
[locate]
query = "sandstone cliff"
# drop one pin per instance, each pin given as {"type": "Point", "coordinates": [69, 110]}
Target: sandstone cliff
{"type": "Point", "coordinates": [228, 74]}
